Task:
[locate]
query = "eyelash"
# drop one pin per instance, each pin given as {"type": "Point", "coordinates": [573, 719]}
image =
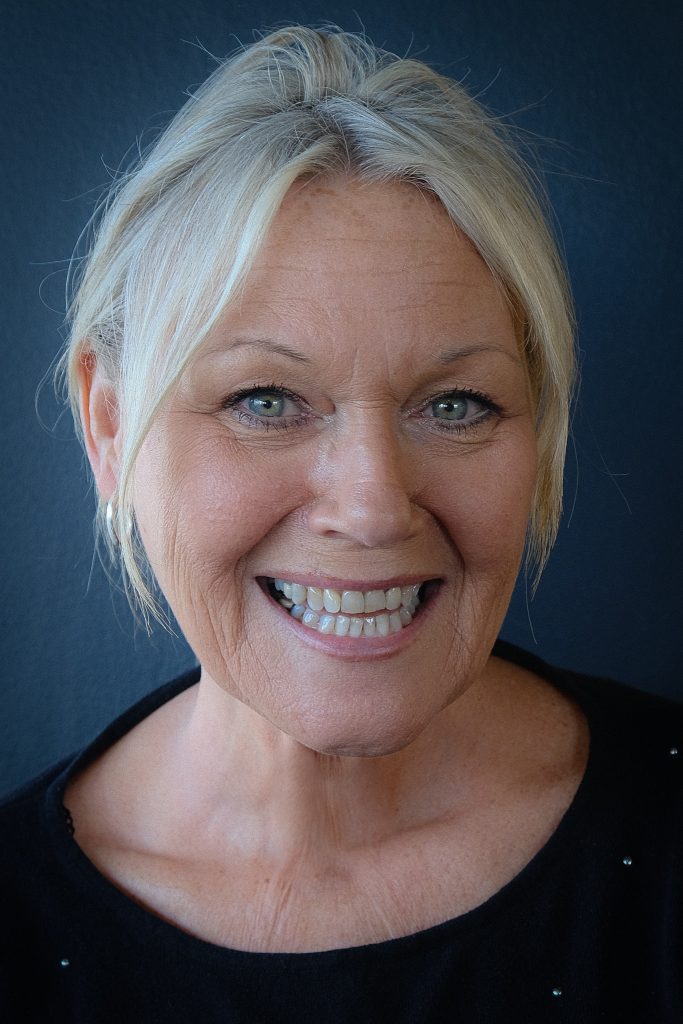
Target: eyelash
{"type": "Point", "coordinates": [490, 408]}
{"type": "Point", "coordinates": [265, 423]}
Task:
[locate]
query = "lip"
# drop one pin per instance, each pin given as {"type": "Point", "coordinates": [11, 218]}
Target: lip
{"type": "Point", "coordinates": [352, 648]}
{"type": "Point", "coordinates": [313, 579]}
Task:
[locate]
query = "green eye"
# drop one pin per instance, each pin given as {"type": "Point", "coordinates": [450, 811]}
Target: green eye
{"type": "Point", "coordinates": [450, 408]}
{"type": "Point", "coordinates": [270, 407]}
{"type": "Point", "coordinates": [266, 403]}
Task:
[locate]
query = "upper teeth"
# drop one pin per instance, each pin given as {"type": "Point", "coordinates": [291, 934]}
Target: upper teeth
{"type": "Point", "coordinates": [353, 602]}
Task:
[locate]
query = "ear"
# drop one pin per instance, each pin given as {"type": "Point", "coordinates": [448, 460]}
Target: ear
{"type": "Point", "coordinates": [101, 424]}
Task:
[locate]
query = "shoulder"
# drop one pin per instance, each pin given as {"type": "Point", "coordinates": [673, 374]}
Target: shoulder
{"type": "Point", "coordinates": [29, 871]}
{"type": "Point", "coordinates": [20, 816]}
{"type": "Point", "coordinates": [601, 695]}
{"type": "Point", "coordinates": [50, 893]}
{"type": "Point", "coordinates": [630, 719]}
{"type": "Point", "coordinates": [31, 814]}
{"type": "Point", "coordinates": [635, 738]}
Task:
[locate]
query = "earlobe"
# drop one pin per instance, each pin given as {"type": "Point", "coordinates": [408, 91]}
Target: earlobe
{"type": "Point", "coordinates": [99, 409]}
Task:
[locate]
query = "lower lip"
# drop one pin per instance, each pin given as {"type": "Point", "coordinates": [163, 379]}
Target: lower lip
{"type": "Point", "coordinates": [357, 648]}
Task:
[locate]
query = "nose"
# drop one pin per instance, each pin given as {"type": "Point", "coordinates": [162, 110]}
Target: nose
{"type": "Point", "coordinates": [365, 487]}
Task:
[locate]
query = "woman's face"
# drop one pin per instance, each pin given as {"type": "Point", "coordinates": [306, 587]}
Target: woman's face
{"type": "Point", "coordinates": [358, 423]}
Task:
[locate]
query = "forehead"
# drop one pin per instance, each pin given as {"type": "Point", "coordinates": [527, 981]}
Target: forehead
{"type": "Point", "coordinates": [371, 208]}
{"type": "Point", "coordinates": [360, 222]}
{"type": "Point", "coordinates": [347, 262]}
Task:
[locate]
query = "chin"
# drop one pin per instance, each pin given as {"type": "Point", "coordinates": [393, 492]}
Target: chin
{"type": "Point", "coordinates": [367, 750]}
{"type": "Point", "coordinates": [369, 738]}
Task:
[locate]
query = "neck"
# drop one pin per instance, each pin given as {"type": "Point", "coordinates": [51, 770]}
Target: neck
{"type": "Point", "coordinates": [244, 782]}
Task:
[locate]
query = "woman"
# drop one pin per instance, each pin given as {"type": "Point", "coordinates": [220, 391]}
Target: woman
{"type": "Point", "coordinates": [321, 355]}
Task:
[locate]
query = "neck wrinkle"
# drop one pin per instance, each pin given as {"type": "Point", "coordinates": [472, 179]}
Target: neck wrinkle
{"type": "Point", "coordinates": [246, 783]}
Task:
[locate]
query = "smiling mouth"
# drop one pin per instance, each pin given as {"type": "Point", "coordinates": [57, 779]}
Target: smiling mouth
{"type": "Point", "coordinates": [352, 613]}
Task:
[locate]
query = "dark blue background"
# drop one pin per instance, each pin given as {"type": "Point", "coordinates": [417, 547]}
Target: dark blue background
{"type": "Point", "coordinates": [597, 87]}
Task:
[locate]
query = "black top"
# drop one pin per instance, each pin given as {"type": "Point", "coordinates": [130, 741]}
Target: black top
{"type": "Point", "coordinates": [590, 930]}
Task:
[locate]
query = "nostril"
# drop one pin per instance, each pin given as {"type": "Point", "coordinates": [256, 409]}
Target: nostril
{"type": "Point", "coordinates": [372, 514]}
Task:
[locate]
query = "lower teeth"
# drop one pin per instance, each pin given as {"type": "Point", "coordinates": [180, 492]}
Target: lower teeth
{"type": "Point", "coordinates": [344, 625]}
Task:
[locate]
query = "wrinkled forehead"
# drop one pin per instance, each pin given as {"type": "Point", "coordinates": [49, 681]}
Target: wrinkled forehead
{"type": "Point", "coordinates": [351, 274]}
{"type": "Point", "coordinates": [371, 218]}
{"type": "Point", "coordinates": [358, 283]}
{"type": "Point", "coordinates": [371, 261]}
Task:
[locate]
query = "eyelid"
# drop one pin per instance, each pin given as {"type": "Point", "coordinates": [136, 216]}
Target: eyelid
{"type": "Point", "coordinates": [269, 389]}
{"type": "Point", "coordinates": [232, 403]}
{"type": "Point", "coordinates": [462, 392]}
{"type": "Point", "coordinates": [488, 410]}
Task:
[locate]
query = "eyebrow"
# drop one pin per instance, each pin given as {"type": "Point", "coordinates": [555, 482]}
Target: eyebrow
{"type": "Point", "coordinates": [273, 346]}
{"type": "Point", "coordinates": [452, 355]}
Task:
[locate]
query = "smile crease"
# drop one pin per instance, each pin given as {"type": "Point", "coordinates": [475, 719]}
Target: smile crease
{"type": "Point", "coordinates": [353, 613]}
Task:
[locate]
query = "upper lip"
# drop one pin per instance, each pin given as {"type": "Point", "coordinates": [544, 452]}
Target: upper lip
{"type": "Point", "coordinates": [313, 579]}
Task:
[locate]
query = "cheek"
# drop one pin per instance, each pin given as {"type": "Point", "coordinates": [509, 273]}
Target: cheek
{"type": "Point", "coordinates": [485, 503]}
{"type": "Point", "coordinates": [202, 504]}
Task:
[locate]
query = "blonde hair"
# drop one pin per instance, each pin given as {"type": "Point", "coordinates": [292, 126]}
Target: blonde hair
{"type": "Point", "coordinates": [178, 234]}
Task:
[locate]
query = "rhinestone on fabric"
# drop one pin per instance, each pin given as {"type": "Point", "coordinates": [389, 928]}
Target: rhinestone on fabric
{"type": "Point", "coordinates": [627, 861]}
{"type": "Point", "coordinates": [64, 962]}
{"type": "Point", "coordinates": [673, 751]}
{"type": "Point", "coordinates": [68, 820]}
{"type": "Point", "coordinates": [557, 992]}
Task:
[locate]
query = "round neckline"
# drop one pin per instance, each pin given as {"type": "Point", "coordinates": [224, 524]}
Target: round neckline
{"type": "Point", "coordinates": [107, 894]}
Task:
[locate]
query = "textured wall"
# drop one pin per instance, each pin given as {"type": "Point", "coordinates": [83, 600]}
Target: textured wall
{"type": "Point", "coordinates": [598, 83]}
